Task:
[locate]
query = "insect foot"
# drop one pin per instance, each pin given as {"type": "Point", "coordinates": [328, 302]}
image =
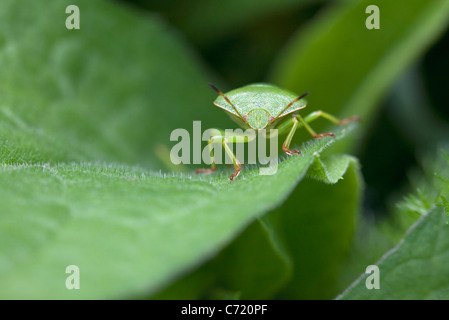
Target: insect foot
{"type": "Point", "coordinates": [236, 173]}
{"type": "Point", "coordinates": [348, 120]}
{"type": "Point", "coordinates": [205, 171]}
{"type": "Point", "coordinates": [322, 135]}
{"type": "Point", "coordinates": [290, 152]}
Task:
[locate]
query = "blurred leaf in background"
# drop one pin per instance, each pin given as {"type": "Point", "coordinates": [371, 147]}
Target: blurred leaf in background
{"type": "Point", "coordinates": [238, 38]}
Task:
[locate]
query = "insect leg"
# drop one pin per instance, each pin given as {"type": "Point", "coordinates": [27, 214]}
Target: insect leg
{"type": "Point", "coordinates": [315, 115]}
{"type": "Point", "coordinates": [311, 131]}
{"type": "Point", "coordinates": [213, 164]}
{"type": "Point", "coordinates": [237, 164]}
{"type": "Point", "coordinates": [224, 139]}
{"type": "Point", "coordinates": [236, 138]}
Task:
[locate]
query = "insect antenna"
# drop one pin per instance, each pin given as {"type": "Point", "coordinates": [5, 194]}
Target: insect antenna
{"type": "Point", "coordinates": [227, 100]}
{"type": "Point", "coordinates": [290, 104]}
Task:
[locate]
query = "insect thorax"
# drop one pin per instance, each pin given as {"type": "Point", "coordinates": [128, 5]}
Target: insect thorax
{"type": "Point", "coordinates": [258, 118]}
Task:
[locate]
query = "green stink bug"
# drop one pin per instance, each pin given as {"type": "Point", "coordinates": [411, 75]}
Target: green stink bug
{"type": "Point", "coordinates": [265, 106]}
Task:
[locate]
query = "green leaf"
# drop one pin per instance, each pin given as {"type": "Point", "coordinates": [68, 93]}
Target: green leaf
{"type": "Point", "coordinates": [431, 190]}
{"type": "Point", "coordinates": [318, 225]}
{"type": "Point", "coordinates": [347, 67]}
{"type": "Point", "coordinates": [81, 118]}
{"type": "Point", "coordinates": [255, 265]}
{"type": "Point", "coordinates": [420, 261]}
{"type": "Point", "coordinates": [376, 236]}
{"type": "Point", "coordinates": [128, 230]}
{"type": "Point", "coordinates": [332, 169]}
{"type": "Point", "coordinates": [306, 274]}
